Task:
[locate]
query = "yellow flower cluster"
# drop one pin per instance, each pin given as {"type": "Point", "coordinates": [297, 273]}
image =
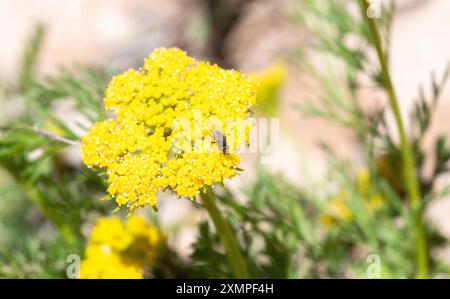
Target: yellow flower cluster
{"type": "Point", "coordinates": [159, 140]}
{"type": "Point", "coordinates": [338, 209]}
{"type": "Point", "coordinates": [120, 249]}
{"type": "Point", "coordinates": [269, 82]}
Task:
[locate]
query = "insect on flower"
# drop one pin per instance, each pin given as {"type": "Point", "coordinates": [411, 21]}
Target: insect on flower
{"type": "Point", "coordinates": [221, 141]}
{"type": "Point", "coordinates": [136, 146]}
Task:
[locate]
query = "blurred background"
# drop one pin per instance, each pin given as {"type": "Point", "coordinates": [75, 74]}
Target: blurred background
{"type": "Point", "coordinates": [247, 35]}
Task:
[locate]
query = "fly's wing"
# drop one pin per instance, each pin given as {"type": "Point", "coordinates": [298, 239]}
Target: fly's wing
{"type": "Point", "coordinates": [221, 141]}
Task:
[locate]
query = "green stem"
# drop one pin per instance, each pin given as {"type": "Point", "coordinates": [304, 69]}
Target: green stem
{"type": "Point", "coordinates": [232, 250]}
{"type": "Point", "coordinates": [408, 164]}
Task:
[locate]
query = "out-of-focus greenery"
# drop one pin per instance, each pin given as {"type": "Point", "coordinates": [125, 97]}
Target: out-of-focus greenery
{"type": "Point", "coordinates": [343, 37]}
{"type": "Point", "coordinates": [48, 204]}
{"type": "Point", "coordinates": [45, 201]}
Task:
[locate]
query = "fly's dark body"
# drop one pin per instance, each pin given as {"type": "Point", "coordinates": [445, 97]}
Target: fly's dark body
{"type": "Point", "coordinates": [221, 141]}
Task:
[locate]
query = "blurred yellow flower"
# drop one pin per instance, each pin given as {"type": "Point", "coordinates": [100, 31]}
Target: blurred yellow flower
{"type": "Point", "coordinates": [103, 263]}
{"type": "Point", "coordinates": [112, 232]}
{"type": "Point", "coordinates": [269, 82]}
{"type": "Point", "coordinates": [338, 208]}
{"type": "Point", "coordinates": [363, 181]}
{"type": "Point", "coordinates": [150, 145]}
{"type": "Point", "coordinates": [337, 211]}
{"type": "Point", "coordinates": [121, 249]}
{"type": "Point", "coordinates": [374, 202]}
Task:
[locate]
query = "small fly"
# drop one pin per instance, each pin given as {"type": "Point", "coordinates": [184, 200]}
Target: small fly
{"type": "Point", "coordinates": [221, 141]}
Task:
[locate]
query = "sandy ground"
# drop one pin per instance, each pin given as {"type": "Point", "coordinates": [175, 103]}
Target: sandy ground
{"type": "Point", "coordinates": [122, 32]}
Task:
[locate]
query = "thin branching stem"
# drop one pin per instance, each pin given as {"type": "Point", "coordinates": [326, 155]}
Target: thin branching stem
{"type": "Point", "coordinates": [55, 137]}
{"type": "Point", "coordinates": [45, 134]}
{"type": "Point", "coordinates": [409, 171]}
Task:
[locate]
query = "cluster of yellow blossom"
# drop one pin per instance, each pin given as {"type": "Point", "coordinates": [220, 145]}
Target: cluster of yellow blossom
{"type": "Point", "coordinates": [120, 249]}
{"type": "Point", "coordinates": [269, 81]}
{"type": "Point", "coordinates": [163, 126]}
{"type": "Point", "coordinates": [338, 208]}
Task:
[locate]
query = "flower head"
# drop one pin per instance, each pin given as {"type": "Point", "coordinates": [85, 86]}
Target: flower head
{"type": "Point", "coordinates": [161, 136]}
{"type": "Point", "coordinates": [119, 249]}
{"type": "Point", "coordinates": [270, 81]}
{"type": "Point", "coordinates": [102, 263]}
